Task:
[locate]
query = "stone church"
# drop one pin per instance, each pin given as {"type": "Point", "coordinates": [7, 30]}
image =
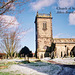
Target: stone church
{"type": "Point", "coordinates": [44, 39]}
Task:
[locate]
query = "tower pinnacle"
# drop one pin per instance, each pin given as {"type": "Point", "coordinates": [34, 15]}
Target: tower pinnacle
{"type": "Point", "coordinates": [50, 14]}
{"type": "Point", "coordinates": [37, 13]}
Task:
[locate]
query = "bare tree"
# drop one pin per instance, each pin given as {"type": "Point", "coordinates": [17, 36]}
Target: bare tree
{"type": "Point", "coordinates": [10, 43]}
{"type": "Point", "coordinates": [9, 5]}
{"type": "Point", "coordinates": [11, 36]}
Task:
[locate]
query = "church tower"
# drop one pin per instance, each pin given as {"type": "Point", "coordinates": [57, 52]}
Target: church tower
{"type": "Point", "coordinates": [44, 37]}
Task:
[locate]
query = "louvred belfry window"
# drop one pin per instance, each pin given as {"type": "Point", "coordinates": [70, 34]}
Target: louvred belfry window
{"type": "Point", "coordinates": [44, 25]}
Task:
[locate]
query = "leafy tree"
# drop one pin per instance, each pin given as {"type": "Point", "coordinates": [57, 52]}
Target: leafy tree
{"type": "Point", "coordinates": [72, 53]}
{"type": "Point", "coordinates": [25, 52]}
{"type": "Point", "coordinates": [52, 50]}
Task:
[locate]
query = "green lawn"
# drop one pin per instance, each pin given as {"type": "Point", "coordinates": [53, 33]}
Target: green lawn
{"type": "Point", "coordinates": [5, 73]}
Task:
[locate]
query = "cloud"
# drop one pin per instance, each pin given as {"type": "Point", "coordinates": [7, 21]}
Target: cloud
{"type": "Point", "coordinates": [58, 35]}
{"type": "Point", "coordinates": [8, 21]}
{"type": "Point", "coordinates": [62, 35]}
{"type": "Point", "coordinates": [23, 33]}
{"type": "Point", "coordinates": [66, 3]}
{"type": "Point", "coordinates": [27, 31]}
{"type": "Point", "coordinates": [39, 4]}
{"type": "Point", "coordinates": [73, 36]}
{"type": "Point", "coordinates": [72, 18]}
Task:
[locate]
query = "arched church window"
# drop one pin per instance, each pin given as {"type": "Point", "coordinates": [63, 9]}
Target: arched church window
{"type": "Point", "coordinates": [44, 25]}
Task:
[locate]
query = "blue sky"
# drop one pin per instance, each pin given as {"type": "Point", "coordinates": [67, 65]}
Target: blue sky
{"type": "Point", "coordinates": [63, 24]}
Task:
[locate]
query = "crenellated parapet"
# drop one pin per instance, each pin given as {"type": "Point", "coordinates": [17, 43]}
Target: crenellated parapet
{"type": "Point", "coordinates": [44, 15]}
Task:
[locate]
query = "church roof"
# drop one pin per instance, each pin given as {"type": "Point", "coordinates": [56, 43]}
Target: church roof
{"type": "Point", "coordinates": [64, 40]}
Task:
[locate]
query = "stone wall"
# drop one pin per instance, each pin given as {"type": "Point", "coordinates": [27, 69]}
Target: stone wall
{"type": "Point", "coordinates": [43, 36]}
{"type": "Point", "coordinates": [64, 46]}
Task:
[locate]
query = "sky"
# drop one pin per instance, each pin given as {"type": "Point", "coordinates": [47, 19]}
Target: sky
{"type": "Point", "coordinates": [63, 22]}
